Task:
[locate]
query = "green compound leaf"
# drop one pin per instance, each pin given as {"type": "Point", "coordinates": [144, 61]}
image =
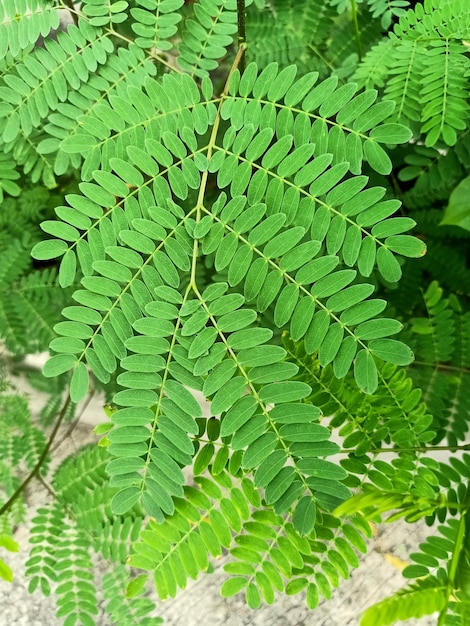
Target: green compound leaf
{"type": "Point", "coordinates": [206, 219]}
{"type": "Point", "coordinates": [422, 598]}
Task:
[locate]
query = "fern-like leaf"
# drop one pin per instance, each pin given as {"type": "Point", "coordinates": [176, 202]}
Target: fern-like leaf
{"type": "Point", "coordinates": [387, 10]}
{"type": "Point", "coordinates": [207, 35]}
{"type": "Point", "coordinates": [134, 258]}
{"type": "Point", "coordinates": [424, 597]}
{"type": "Point", "coordinates": [441, 344]}
{"type": "Point", "coordinates": [426, 70]}
{"type": "Point", "coordinates": [22, 23]}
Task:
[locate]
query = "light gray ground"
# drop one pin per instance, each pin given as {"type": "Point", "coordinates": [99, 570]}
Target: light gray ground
{"type": "Point", "coordinates": [377, 577]}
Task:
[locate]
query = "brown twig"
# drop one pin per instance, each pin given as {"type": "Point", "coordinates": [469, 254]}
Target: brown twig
{"type": "Point", "coordinates": [73, 12]}
{"type": "Point", "coordinates": [40, 462]}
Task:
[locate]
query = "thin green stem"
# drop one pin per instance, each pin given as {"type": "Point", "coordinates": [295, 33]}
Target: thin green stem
{"type": "Point", "coordinates": [442, 366]}
{"type": "Point", "coordinates": [40, 462]}
{"type": "Point", "coordinates": [205, 175]}
{"type": "Point", "coordinates": [423, 449]}
{"type": "Point", "coordinates": [356, 29]}
{"type": "Point", "coordinates": [457, 550]}
{"type": "Point", "coordinates": [453, 566]}
{"type": "Point", "coordinates": [241, 31]}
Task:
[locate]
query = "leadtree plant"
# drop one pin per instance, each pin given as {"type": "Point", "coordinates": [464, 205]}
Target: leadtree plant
{"type": "Point", "coordinates": [232, 200]}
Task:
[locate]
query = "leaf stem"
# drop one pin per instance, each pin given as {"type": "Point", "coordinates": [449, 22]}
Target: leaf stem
{"type": "Point", "coordinates": [453, 566]}
{"type": "Point", "coordinates": [424, 449]}
{"type": "Point", "coordinates": [442, 366]}
{"type": "Point", "coordinates": [356, 29]}
{"type": "Point", "coordinates": [457, 549]}
{"type": "Point", "coordinates": [205, 175]}
{"type": "Point", "coordinates": [40, 462]}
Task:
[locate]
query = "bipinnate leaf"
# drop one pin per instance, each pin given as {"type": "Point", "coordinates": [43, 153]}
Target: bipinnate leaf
{"type": "Point", "coordinates": [200, 222]}
{"type": "Point", "coordinates": [220, 226]}
{"type": "Point", "coordinates": [424, 598]}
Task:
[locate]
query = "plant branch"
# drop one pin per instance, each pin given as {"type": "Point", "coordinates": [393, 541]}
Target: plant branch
{"type": "Point", "coordinates": [73, 11]}
{"type": "Point", "coordinates": [453, 566]}
{"type": "Point", "coordinates": [423, 449]}
{"type": "Point", "coordinates": [241, 31]}
{"type": "Point", "coordinates": [75, 421]}
{"type": "Point", "coordinates": [236, 65]}
{"type": "Point", "coordinates": [442, 366]}
{"type": "Point", "coordinates": [205, 175]}
{"type": "Point", "coordinates": [41, 459]}
{"type": "Point", "coordinates": [47, 487]}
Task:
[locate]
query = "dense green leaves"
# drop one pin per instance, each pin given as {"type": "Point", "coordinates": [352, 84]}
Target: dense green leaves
{"type": "Point", "coordinates": [288, 243]}
{"type": "Point", "coordinates": [136, 247]}
{"type": "Point", "coordinates": [421, 76]}
{"type": "Point", "coordinates": [222, 232]}
{"type": "Point", "coordinates": [423, 598]}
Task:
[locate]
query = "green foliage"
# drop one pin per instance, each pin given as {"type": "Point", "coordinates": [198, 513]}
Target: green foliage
{"type": "Point", "coordinates": [70, 529]}
{"type": "Point", "coordinates": [235, 200]}
{"type": "Point", "coordinates": [30, 297]}
{"type": "Point", "coordinates": [457, 209]}
{"type": "Point", "coordinates": [290, 33]}
{"type": "Point", "coordinates": [440, 343]}
{"type": "Point", "coordinates": [423, 598]}
{"type": "Point", "coordinates": [268, 554]}
{"type": "Point", "coordinates": [21, 445]}
{"type": "Point", "coordinates": [426, 68]}
{"type": "Point", "coordinates": [9, 544]}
